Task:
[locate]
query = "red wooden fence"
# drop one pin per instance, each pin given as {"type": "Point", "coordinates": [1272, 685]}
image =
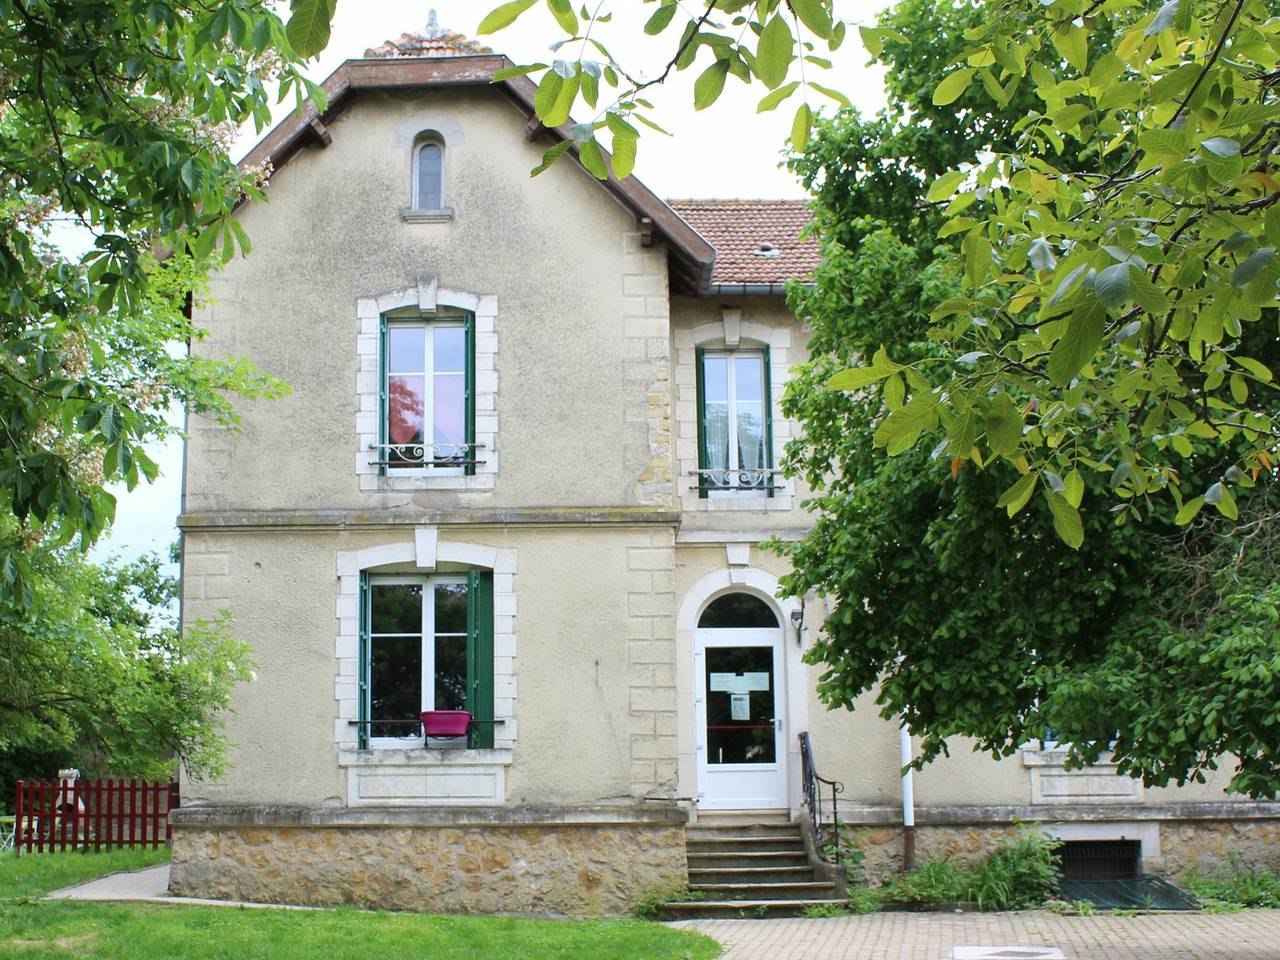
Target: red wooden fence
{"type": "Point", "coordinates": [92, 815]}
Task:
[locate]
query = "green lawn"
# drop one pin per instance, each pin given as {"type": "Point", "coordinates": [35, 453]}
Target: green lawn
{"type": "Point", "coordinates": [43, 929]}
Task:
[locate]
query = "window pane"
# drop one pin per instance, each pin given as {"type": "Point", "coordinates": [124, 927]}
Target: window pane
{"type": "Point", "coordinates": [451, 608]}
{"type": "Point", "coordinates": [450, 413]}
{"type": "Point", "coordinates": [451, 673]}
{"type": "Point", "coordinates": [715, 378]}
{"type": "Point", "coordinates": [406, 408]}
{"type": "Point", "coordinates": [740, 705]}
{"type": "Point", "coordinates": [395, 694]}
{"type": "Point", "coordinates": [737, 610]}
{"type": "Point", "coordinates": [397, 608]}
{"type": "Point", "coordinates": [430, 165]}
{"type": "Point", "coordinates": [450, 349]}
{"type": "Point", "coordinates": [717, 436]}
{"type": "Point", "coordinates": [748, 379]}
{"type": "Point", "coordinates": [750, 438]}
{"type": "Point", "coordinates": [406, 349]}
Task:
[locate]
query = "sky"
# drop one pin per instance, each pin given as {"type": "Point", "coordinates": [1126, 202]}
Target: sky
{"type": "Point", "coordinates": [726, 151]}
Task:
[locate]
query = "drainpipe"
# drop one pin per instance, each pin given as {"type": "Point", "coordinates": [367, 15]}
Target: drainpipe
{"type": "Point", "coordinates": [908, 800]}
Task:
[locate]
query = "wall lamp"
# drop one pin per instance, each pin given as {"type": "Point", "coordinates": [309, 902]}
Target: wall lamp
{"type": "Point", "coordinates": [797, 621]}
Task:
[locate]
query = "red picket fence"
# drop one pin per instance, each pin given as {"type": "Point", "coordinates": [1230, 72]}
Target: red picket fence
{"type": "Point", "coordinates": [92, 815]}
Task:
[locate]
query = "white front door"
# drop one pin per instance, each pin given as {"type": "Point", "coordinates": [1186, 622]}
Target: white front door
{"type": "Point", "coordinates": [740, 705]}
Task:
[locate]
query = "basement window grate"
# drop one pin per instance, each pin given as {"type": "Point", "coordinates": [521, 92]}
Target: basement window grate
{"type": "Point", "coordinates": [1100, 859]}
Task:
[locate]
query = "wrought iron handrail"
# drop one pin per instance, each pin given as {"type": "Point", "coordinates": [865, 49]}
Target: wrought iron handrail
{"type": "Point", "coordinates": [812, 786]}
{"type": "Point", "coordinates": [426, 454]}
{"type": "Point", "coordinates": [742, 478]}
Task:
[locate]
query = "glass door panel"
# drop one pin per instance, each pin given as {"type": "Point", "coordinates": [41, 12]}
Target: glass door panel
{"type": "Point", "coordinates": [740, 705]}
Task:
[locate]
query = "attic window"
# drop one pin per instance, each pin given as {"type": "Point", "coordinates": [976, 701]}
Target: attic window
{"type": "Point", "coordinates": [766, 249]}
{"type": "Point", "coordinates": [428, 200]}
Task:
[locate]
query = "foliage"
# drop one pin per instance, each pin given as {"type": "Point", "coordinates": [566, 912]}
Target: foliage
{"type": "Point", "coordinates": [1113, 333]}
{"type": "Point", "coordinates": [864, 899]}
{"type": "Point", "coordinates": [823, 911]}
{"type": "Point", "coordinates": [972, 621]}
{"type": "Point", "coordinates": [773, 42]}
{"type": "Point", "coordinates": [95, 668]}
{"type": "Point", "coordinates": [31, 877]}
{"type": "Point", "coordinates": [1232, 885]}
{"type": "Point", "coordinates": [849, 855]}
{"type": "Point", "coordinates": [115, 121]}
{"type": "Point", "coordinates": [1021, 872]}
{"type": "Point", "coordinates": [647, 905]}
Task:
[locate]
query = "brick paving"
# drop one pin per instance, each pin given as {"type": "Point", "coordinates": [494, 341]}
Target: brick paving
{"type": "Point", "coordinates": [1248, 935]}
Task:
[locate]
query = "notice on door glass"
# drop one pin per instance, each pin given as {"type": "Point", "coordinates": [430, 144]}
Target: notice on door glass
{"type": "Point", "coordinates": [740, 706]}
{"type": "Point", "coordinates": [738, 682]}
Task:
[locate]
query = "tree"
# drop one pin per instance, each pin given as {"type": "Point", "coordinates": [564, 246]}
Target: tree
{"type": "Point", "coordinates": [115, 121]}
{"type": "Point", "coordinates": [96, 670]}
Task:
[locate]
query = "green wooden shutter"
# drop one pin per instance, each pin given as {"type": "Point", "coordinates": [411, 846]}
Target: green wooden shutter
{"type": "Point", "coordinates": [480, 657]}
{"type": "Point", "coordinates": [768, 420]}
{"type": "Point", "coordinates": [384, 427]}
{"type": "Point", "coordinates": [472, 454]}
{"type": "Point", "coordinates": [702, 421]}
{"type": "Point", "coordinates": [362, 667]}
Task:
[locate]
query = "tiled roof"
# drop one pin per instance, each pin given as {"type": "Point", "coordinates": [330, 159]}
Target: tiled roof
{"type": "Point", "coordinates": [756, 241]}
{"type": "Point", "coordinates": [434, 41]}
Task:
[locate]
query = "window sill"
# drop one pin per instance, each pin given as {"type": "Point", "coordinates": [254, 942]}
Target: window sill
{"type": "Point", "coordinates": [422, 757]}
{"type": "Point", "coordinates": [414, 215]}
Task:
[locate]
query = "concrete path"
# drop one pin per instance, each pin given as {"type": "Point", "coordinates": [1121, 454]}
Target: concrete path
{"type": "Point", "coordinates": [147, 886]}
{"type": "Point", "coordinates": [1248, 935]}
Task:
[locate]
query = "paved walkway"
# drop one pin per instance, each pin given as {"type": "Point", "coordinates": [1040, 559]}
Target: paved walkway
{"type": "Point", "coordinates": [146, 886]}
{"type": "Point", "coordinates": [1248, 935]}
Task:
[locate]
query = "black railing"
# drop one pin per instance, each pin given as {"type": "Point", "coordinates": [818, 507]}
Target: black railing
{"type": "Point", "coordinates": [814, 801]}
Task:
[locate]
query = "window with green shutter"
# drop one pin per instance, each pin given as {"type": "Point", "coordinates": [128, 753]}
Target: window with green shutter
{"type": "Point", "coordinates": [426, 643]}
{"type": "Point", "coordinates": [735, 422]}
{"type": "Point", "coordinates": [426, 395]}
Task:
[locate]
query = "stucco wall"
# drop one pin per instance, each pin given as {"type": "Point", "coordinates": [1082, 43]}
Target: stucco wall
{"type": "Point", "coordinates": [574, 293]}
{"type": "Point", "coordinates": [593, 698]}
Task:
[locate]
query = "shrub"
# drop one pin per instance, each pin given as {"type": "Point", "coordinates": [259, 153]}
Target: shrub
{"type": "Point", "coordinates": [1021, 872]}
{"type": "Point", "coordinates": [1233, 885]}
{"type": "Point", "coordinates": [934, 881]}
{"type": "Point", "coordinates": [864, 899]}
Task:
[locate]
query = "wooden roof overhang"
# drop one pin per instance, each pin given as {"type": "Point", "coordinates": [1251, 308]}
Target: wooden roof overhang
{"type": "Point", "coordinates": [691, 257]}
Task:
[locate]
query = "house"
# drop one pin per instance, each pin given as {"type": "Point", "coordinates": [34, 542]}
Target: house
{"type": "Point", "coordinates": [524, 471]}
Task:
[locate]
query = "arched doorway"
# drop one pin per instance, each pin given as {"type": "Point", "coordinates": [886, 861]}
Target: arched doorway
{"type": "Point", "coordinates": [740, 705]}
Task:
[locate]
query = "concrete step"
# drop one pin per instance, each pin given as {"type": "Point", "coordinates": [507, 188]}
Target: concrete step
{"type": "Point", "coordinates": [806, 890]}
{"type": "Point", "coordinates": [723, 844]}
{"type": "Point", "coordinates": [719, 859]}
{"type": "Point", "coordinates": [751, 875]}
{"type": "Point", "coordinates": [743, 909]}
{"type": "Point", "coordinates": [742, 818]}
{"type": "Point", "coordinates": [703, 830]}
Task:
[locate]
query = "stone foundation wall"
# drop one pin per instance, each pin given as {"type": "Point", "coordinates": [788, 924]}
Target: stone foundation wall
{"type": "Point", "coordinates": [486, 864]}
{"type": "Point", "coordinates": [1172, 840]}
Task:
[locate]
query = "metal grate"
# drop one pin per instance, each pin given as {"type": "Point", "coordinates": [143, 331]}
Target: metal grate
{"type": "Point", "coordinates": [1089, 860]}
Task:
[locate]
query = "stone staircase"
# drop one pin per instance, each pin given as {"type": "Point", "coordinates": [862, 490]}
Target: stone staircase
{"type": "Point", "coordinates": [750, 870]}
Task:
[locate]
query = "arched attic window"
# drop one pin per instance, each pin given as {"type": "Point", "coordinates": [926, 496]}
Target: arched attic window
{"type": "Point", "coordinates": [738, 610]}
{"type": "Point", "coordinates": [428, 173]}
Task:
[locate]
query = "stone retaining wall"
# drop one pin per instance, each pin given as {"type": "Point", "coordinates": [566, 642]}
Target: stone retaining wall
{"type": "Point", "coordinates": [488, 864]}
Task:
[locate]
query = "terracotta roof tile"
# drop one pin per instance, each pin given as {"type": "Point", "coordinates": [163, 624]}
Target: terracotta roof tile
{"type": "Point", "coordinates": [434, 41]}
{"type": "Point", "coordinates": [756, 241]}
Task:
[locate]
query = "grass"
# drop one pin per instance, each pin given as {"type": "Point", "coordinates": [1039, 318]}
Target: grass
{"type": "Point", "coordinates": [36, 874]}
{"type": "Point", "coordinates": [1234, 886]}
{"type": "Point", "coordinates": [35, 929]}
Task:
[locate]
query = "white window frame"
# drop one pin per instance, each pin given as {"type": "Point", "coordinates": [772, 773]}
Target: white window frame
{"type": "Point", "coordinates": [429, 375]}
{"type": "Point", "coordinates": [427, 640]}
{"type": "Point", "coordinates": [415, 197]}
{"type": "Point", "coordinates": [731, 382]}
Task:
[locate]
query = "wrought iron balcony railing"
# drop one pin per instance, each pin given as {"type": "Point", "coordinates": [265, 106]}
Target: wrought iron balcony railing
{"type": "Point", "coordinates": [760, 479]}
{"type": "Point", "coordinates": [421, 455]}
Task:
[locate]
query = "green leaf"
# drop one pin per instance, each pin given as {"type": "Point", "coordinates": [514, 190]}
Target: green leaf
{"type": "Point", "coordinates": [551, 156]}
{"type": "Point", "coordinates": [1016, 497]}
{"type": "Point", "coordinates": [951, 88]}
{"type": "Point", "coordinates": [624, 156]}
{"type": "Point", "coordinates": [1111, 285]}
{"type": "Point", "coordinates": [771, 100]}
{"type": "Point", "coordinates": [1252, 265]}
{"type": "Point", "coordinates": [774, 53]}
{"type": "Point", "coordinates": [814, 15]}
{"type": "Point", "coordinates": [1188, 511]}
{"type": "Point", "coordinates": [1222, 146]}
{"type": "Point", "coordinates": [512, 72]}
{"type": "Point", "coordinates": [308, 26]}
{"type": "Point", "coordinates": [591, 157]}
{"type": "Point", "coordinates": [872, 40]}
{"type": "Point", "coordinates": [945, 186]}
{"type": "Point", "coordinates": [1003, 424]}
{"type": "Point", "coordinates": [835, 95]}
{"type": "Point", "coordinates": [901, 427]}
{"type": "Point", "coordinates": [710, 84]}
{"type": "Point", "coordinates": [800, 127]}
{"type": "Point", "coordinates": [660, 19]}
{"type": "Point", "coordinates": [1066, 520]}
{"type": "Point", "coordinates": [1254, 367]}
{"type": "Point", "coordinates": [856, 377]}
{"type": "Point", "coordinates": [1079, 344]}
{"type": "Point", "coordinates": [503, 16]}
{"type": "Point", "coordinates": [1072, 43]}
{"type": "Point", "coordinates": [549, 88]}
{"type": "Point", "coordinates": [1163, 19]}
{"type": "Point", "coordinates": [562, 10]}
{"type": "Point", "coordinates": [977, 257]}
{"type": "Point", "coordinates": [559, 112]}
